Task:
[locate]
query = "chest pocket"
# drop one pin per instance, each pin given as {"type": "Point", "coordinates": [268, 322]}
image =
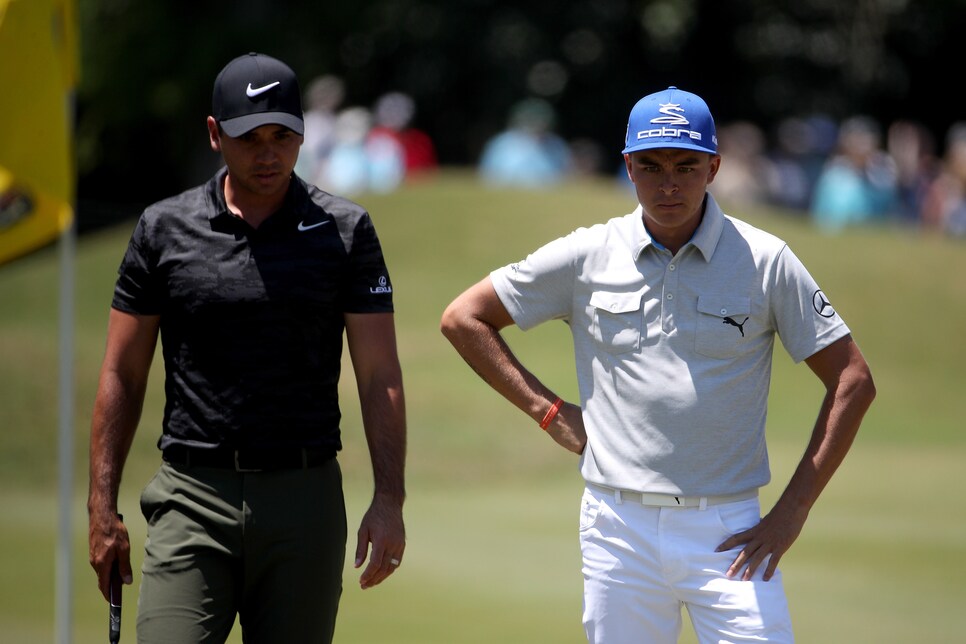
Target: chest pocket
{"type": "Point", "coordinates": [618, 320]}
{"type": "Point", "coordinates": [723, 325]}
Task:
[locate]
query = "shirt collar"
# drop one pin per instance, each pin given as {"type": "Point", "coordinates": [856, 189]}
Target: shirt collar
{"type": "Point", "coordinates": [217, 206]}
{"type": "Point", "coordinates": [705, 238]}
{"type": "Point", "coordinates": [709, 231]}
{"type": "Point", "coordinates": [295, 197]}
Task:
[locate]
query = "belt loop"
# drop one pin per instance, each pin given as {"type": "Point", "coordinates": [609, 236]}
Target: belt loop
{"type": "Point", "coordinates": [305, 458]}
{"type": "Point", "coordinates": [617, 497]}
{"type": "Point", "coordinates": [703, 504]}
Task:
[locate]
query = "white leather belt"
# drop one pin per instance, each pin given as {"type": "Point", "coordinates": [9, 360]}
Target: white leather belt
{"type": "Point", "coordinates": [670, 500]}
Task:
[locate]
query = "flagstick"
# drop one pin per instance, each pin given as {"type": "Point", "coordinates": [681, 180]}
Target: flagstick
{"type": "Point", "coordinates": [68, 244]}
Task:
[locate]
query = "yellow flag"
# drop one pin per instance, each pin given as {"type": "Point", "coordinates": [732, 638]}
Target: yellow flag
{"type": "Point", "coordinates": [38, 71]}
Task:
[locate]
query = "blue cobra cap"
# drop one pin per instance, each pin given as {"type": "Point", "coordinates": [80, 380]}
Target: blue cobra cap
{"type": "Point", "coordinates": [671, 118]}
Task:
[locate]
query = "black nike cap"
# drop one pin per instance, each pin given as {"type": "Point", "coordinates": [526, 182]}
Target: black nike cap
{"type": "Point", "coordinates": [255, 90]}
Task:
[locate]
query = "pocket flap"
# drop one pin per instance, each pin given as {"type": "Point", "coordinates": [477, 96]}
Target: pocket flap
{"type": "Point", "coordinates": [724, 305]}
{"type": "Point", "coordinates": [616, 302]}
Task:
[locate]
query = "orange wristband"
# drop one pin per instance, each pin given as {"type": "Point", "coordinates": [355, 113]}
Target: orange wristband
{"type": "Point", "coordinates": [551, 413]}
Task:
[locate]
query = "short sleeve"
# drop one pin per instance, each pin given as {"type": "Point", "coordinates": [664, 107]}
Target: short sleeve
{"type": "Point", "coordinates": [541, 287]}
{"type": "Point", "coordinates": [368, 287]}
{"type": "Point", "coordinates": [804, 317]}
{"type": "Point", "coordinates": [136, 290]}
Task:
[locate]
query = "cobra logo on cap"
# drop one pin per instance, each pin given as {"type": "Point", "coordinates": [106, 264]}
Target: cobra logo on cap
{"type": "Point", "coordinates": [673, 114]}
{"type": "Point", "coordinates": [671, 118]}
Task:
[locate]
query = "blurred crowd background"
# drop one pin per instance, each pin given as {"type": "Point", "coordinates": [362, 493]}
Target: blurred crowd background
{"type": "Point", "coordinates": [855, 171]}
{"type": "Point", "coordinates": [842, 112]}
{"type": "Point", "coordinates": [839, 174]}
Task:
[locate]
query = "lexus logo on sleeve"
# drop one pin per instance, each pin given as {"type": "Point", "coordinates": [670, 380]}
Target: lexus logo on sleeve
{"type": "Point", "coordinates": [382, 288]}
{"type": "Point", "coordinates": [821, 304]}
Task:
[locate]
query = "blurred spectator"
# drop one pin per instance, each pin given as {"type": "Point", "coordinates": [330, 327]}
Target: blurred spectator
{"type": "Point", "coordinates": [387, 161]}
{"type": "Point", "coordinates": [586, 157]}
{"type": "Point", "coordinates": [358, 162]}
{"type": "Point", "coordinates": [741, 178]}
{"type": "Point", "coordinates": [347, 169]}
{"type": "Point", "coordinates": [393, 115]}
{"type": "Point", "coordinates": [358, 150]}
{"type": "Point", "coordinates": [944, 206]}
{"type": "Point", "coordinates": [323, 97]}
{"type": "Point", "coordinates": [528, 153]}
{"type": "Point", "coordinates": [913, 149]}
{"type": "Point", "coordinates": [858, 183]}
{"type": "Point", "coordinates": [800, 150]}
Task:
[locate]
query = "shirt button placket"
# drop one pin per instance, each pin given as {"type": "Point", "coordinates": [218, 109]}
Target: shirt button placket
{"type": "Point", "coordinates": [667, 306]}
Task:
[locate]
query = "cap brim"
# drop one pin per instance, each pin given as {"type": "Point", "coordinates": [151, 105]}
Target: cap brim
{"type": "Point", "coordinates": [658, 144]}
{"type": "Point", "coordinates": [240, 125]}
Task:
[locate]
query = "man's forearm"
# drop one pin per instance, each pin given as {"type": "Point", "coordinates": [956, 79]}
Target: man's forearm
{"type": "Point", "coordinates": [117, 411]}
{"type": "Point", "coordinates": [835, 430]}
{"type": "Point", "coordinates": [384, 419]}
{"type": "Point", "coordinates": [485, 350]}
{"type": "Point", "coordinates": [472, 324]}
{"type": "Point", "coordinates": [849, 391]}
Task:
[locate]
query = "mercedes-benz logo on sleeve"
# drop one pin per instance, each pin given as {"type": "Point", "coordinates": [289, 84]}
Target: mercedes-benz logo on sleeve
{"type": "Point", "coordinates": [821, 304]}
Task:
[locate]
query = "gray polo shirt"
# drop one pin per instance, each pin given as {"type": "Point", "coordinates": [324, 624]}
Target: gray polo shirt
{"type": "Point", "coordinates": [673, 354]}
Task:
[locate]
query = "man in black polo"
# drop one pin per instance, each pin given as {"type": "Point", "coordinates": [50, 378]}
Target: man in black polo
{"type": "Point", "coordinates": [251, 280]}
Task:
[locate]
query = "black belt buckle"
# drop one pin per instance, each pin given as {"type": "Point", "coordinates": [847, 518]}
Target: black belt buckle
{"type": "Point", "coordinates": [239, 466]}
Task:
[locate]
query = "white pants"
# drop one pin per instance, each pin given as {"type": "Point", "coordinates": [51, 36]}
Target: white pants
{"type": "Point", "coordinates": [642, 563]}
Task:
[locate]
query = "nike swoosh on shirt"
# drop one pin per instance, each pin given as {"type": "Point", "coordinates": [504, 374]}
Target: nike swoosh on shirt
{"type": "Point", "coordinates": [252, 92]}
{"type": "Point", "coordinates": [303, 227]}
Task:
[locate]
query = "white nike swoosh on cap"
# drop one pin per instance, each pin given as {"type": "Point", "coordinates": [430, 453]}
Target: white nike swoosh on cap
{"type": "Point", "coordinates": [303, 227]}
{"type": "Point", "coordinates": [252, 92]}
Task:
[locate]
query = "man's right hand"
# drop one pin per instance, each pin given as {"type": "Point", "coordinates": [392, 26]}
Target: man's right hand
{"type": "Point", "coordinates": [567, 428]}
{"type": "Point", "coordinates": [108, 541]}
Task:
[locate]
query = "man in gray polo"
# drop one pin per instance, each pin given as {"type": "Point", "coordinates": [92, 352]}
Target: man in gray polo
{"type": "Point", "coordinates": [674, 309]}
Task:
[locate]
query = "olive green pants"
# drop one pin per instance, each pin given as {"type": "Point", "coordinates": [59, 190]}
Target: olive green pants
{"type": "Point", "coordinates": [268, 547]}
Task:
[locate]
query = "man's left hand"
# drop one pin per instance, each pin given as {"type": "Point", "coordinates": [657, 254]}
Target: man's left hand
{"type": "Point", "coordinates": [383, 527]}
{"type": "Point", "coordinates": [770, 539]}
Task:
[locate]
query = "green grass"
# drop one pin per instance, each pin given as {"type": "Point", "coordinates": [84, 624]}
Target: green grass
{"type": "Point", "coordinates": [492, 554]}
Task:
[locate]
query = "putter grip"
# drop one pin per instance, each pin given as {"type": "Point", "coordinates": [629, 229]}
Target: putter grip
{"type": "Point", "coordinates": [114, 634]}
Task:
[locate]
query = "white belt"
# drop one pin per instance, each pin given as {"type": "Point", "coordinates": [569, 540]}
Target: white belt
{"type": "Point", "coordinates": [670, 500]}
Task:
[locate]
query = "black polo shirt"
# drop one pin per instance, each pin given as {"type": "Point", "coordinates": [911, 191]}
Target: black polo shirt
{"type": "Point", "coordinates": [252, 319]}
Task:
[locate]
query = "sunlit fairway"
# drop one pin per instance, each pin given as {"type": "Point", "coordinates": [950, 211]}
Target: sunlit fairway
{"type": "Point", "coordinates": [492, 509]}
